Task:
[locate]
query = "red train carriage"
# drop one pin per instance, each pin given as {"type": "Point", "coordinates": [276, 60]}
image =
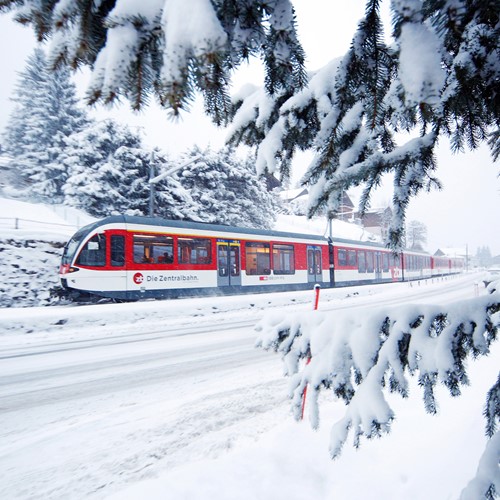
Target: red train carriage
{"type": "Point", "coordinates": [128, 258]}
{"type": "Point", "coordinates": [363, 263]}
{"type": "Point", "coordinates": [443, 265]}
{"type": "Point", "coordinates": [416, 265]}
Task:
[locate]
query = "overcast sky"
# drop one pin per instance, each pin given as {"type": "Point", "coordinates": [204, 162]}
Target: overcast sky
{"type": "Point", "coordinates": [465, 212]}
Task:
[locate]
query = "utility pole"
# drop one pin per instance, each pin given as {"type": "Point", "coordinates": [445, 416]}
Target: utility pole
{"type": "Point", "coordinates": [154, 179]}
{"type": "Point", "coordinates": [331, 257]}
{"type": "Point", "coordinates": [152, 185]}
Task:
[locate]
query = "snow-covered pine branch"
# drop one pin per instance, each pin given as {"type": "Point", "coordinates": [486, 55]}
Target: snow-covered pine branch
{"type": "Point", "coordinates": [168, 48]}
{"type": "Point", "coordinates": [439, 77]}
{"type": "Point", "coordinates": [382, 108]}
{"type": "Point", "coordinates": [359, 356]}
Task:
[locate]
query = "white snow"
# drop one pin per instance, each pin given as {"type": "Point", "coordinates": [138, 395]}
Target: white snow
{"type": "Point", "coordinates": [192, 30]}
{"type": "Point", "coordinates": [22, 219]}
{"type": "Point", "coordinates": [170, 400]}
{"type": "Point", "coordinates": [421, 73]}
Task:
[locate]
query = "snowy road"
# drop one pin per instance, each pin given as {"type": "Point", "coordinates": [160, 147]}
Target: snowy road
{"type": "Point", "coordinates": [96, 397]}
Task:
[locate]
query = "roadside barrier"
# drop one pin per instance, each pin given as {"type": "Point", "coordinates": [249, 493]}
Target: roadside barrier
{"type": "Point", "coordinates": [317, 288]}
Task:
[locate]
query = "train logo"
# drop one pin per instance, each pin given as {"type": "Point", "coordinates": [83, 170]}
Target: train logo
{"type": "Point", "coordinates": [138, 278]}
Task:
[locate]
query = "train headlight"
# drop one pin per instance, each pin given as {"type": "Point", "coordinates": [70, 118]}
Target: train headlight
{"type": "Point", "coordinates": [66, 269]}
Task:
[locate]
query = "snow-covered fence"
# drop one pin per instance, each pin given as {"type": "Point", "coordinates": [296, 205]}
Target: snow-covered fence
{"type": "Point", "coordinates": [18, 223]}
{"type": "Point", "coordinates": [359, 354]}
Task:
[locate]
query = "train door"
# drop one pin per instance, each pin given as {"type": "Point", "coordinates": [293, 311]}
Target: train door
{"type": "Point", "coordinates": [228, 263]}
{"type": "Point", "coordinates": [117, 261]}
{"type": "Point", "coordinates": [378, 266]}
{"type": "Point", "coordinates": [314, 265]}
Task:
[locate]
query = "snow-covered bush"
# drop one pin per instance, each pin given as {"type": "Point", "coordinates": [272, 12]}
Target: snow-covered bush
{"type": "Point", "coordinates": [359, 356]}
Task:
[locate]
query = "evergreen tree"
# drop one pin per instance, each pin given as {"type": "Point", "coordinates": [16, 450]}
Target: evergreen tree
{"type": "Point", "coordinates": [31, 80]}
{"type": "Point", "coordinates": [227, 190]}
{"type": "Point", "coordinates": [46, 113]}
{"type": "Point", "coordinates": [108, 173]}
{"type": "Point", "coordinates": [135, 51]}
{"type": "Point", "coordinates": [484, 257]}
{"type": "Point", "coordinates": [99, 180]}
{"type": "Point", "coordinates": [382, 109]}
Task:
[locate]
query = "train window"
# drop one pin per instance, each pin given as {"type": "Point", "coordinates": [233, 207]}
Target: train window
{"type": "Point", "coordinates": [283, 259]}
{"type": "Point", "coordinates": [195, 251]}
{"type": "Point", "coordinates": [153, 249]}
{"type": "Point", "coordinates": [385, 262]}
{"type": "Point", "coordinates": [369, 262]}
{"type": "Point", "coordinates": [342, 256]}
{"type": "Point", "coordinates": [258, 259]}
{"type": "Point", "coordinates": [395, 260]}
{"type": "Point", "coordinates": [351, 258]}
{"type": "Point", "coordinates": [361, 261]}
{"type": "Point", "coordinates": [94, 252]}
{"type": "Point", "coordinates": [234, 260]}
{"type": "Point", "coordinates": [117, 250]}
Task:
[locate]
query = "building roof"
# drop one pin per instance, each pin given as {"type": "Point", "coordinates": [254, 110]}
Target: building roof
{"type": "Point", "coordinates": [451, 252]}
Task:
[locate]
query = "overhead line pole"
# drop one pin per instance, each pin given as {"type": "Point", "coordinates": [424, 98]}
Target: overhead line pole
{"type": "Point", "coordinates": [154, 179]}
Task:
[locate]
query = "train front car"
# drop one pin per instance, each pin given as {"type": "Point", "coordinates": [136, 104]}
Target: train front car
{"type": "Point", "coordinates": [93, 261]}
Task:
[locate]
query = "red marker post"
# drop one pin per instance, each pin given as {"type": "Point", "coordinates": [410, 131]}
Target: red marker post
{"type": "Point", "coordinates": [317, 288]}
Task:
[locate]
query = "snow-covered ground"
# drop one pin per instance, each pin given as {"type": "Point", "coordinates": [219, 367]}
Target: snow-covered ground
{"type": "Point", "coordinates": [170, 400]}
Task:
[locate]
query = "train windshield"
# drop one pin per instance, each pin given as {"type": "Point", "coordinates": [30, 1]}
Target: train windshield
{"type": "Point", "coordinates": [72, 245]}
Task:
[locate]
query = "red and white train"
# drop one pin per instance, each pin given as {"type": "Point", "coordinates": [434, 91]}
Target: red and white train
{"type": "Point", "coordinates": [130, 258]}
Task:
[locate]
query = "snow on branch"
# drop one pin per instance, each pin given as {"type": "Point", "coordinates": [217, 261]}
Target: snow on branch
{"type": "Point", "coordinates": [360, 355]}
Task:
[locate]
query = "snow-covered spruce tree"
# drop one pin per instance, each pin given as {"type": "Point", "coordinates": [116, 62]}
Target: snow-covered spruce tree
{"type": "Point", "coordinates": [31, 79]}
{"type": "Point", "coordinates": [137, 49]}
{"type": "Point", "coordinates": [108, 172]}
{"type": "Point", "coordinates": [46, 112]}
{"type": "Point", "coordinates": [382, 109]}
{"type": "Point", "coordinates": [227, 190]}
{"type": "Point", "coordinates": [96, 181]}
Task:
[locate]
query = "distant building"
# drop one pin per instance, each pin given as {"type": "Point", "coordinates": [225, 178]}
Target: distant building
{"type": "Point", "coordinates": [299, 199]}
{"type": "Point", "coordinates": [377, 221]}
{"type": "Point", "coordinates": [451, 252]}
{"type": "Point", "coordinates": [271, 182]}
